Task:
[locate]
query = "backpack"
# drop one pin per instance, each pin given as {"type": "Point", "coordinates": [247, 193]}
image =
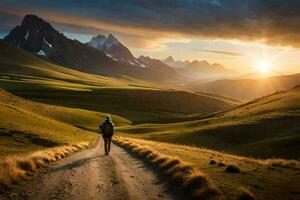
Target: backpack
{"type": "Point", "coordinates": [107, 129]}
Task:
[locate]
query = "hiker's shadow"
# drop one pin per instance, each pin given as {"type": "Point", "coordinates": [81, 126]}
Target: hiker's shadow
{"type": "Point", "coordinates": [75, 164]}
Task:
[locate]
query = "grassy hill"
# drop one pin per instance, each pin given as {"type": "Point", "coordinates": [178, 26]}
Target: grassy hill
{"type": "Point", "coordinates": [27, 126]}
{"type": "Point", "coordinates": [26, 75]}
{"type": "Point", "coordinates": [248, 89]}
{"type": "Point", "coordinates": [266, 127]}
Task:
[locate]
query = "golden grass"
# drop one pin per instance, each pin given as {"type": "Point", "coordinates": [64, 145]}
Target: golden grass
{"type": "Point", "coordinates": [194, 183]}
{"type": "Point", "coordinates": [275, 162]}
{"type": "Point", "coordinates": [14, 168]}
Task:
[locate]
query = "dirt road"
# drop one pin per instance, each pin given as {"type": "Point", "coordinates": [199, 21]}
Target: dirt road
{"type": "Point", "coordinates": [90, 174]}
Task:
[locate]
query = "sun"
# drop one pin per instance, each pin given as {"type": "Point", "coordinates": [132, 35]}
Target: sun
{"type": "Point", "coordinates": [264, 67]}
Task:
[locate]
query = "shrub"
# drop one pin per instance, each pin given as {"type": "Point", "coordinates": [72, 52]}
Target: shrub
{"type": "Point", "coordinates": [212, 162]}
{"type": "Point", "coordinates": [233, 169]}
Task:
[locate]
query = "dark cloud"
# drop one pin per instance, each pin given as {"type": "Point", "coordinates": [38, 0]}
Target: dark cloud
{"type": "Point", "coordinates": [275, 22]}
{"type": "Point", "coordinates": [227, 53]}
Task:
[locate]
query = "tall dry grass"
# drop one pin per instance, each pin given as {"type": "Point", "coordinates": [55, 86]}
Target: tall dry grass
{"type": "Point", "coordinates": [193, 183]}
{"type": "Point", "coordinates": [14, 168]}
{"type": "Point", "coordinates": [275, 162]}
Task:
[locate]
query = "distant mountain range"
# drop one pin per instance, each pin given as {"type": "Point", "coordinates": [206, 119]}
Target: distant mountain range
{"type": "Point", "coordinates": [176, 64]}
{"type": "Point", "coordinates": [199, 69]}
{"type": "Point", "coordinates": [102, 55]}
{"type": "Point", "coordinates": [247, 89]}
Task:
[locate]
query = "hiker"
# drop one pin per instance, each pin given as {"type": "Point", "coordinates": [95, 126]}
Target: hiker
{"type": "Point", "coordinates": [107, 130]}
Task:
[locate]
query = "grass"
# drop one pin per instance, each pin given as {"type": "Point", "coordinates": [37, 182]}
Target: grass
{"type": "Point", "coordinates": [34, 134]}
{"type": "Point", "coordinates": [136, 105]}
{"type": "Point", "coordinates": [269, 126]}
{"type": "Point", "coordinates": [255, 174]}
{"type": "Point", "coordinates": [27, 126]}
{"type": "Point", "coordinates": [193, 183]}
{"type": "Point", "coordinates": [15, 168]}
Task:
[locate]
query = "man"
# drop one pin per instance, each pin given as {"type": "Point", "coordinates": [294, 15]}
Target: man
{"type": "Point", "coordinates": [107, 130]}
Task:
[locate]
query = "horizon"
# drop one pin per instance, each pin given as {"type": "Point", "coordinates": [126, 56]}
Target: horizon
{"type": "Point", "coordinates": [203, 97]}
{"type": "Point", "coordinates": [239, 53]}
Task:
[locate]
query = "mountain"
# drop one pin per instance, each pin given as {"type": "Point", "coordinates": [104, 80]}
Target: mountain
{"type": "Point", "coordinates": [168, 60]}
{"type": "Point", "coordinates": [39, 37]}
{"type": "Point", "coordinates": [21, 70]}
{"type": "Point", "coordinates": [114, 49]}
{"type": "Point", "coordinates": [199, 70]}
{"type": "Point", "coordinates": [156, 64]}
{"type": "Point", "coordinates": [203, 71]}
{"type": "Point", "coordinates": [247, 89]}
{"type": "Point", "coordinates": [175, 63]}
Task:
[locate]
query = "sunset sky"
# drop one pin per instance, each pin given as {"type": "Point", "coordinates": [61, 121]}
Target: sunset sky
{"type": "Point", "coordinates": [238, 34]}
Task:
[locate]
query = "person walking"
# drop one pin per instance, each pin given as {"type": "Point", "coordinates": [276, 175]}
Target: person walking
{"type": "Point", "coordinates": [107, 130]}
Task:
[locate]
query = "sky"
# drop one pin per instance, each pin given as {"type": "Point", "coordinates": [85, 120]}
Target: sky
{"type": "Point", "coordinates": [238, 34]}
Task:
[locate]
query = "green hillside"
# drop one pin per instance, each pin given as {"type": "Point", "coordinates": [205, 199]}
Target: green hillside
{"type": "Point", "coordinates": [266, 127]}
{"type": "Point", "coordinates": [26, 126]}
{"type": "Point", "coordinates": [26, 75]}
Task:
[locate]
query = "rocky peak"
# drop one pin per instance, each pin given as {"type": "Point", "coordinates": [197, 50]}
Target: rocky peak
{"type": "Point", "coordinates": [34, 35]}
{"type": "Point", "coordinates": [34, 22]}
{"type": "Point", "coordinates": [97, 41]}
{"type": "Point", "coordinates": [111, 40]}
{"type": "Point", "coordinates": [168, 59]}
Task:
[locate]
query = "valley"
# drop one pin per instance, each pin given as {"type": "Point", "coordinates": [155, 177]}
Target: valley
{"type": "Point", "coordinates": [55, 91]}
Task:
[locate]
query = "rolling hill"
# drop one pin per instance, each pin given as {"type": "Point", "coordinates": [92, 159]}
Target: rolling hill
{"type": "Point", "coordinates": [27, 126]}
{"type": "Point", "coordinates": [263, 128]}
{"type": "Point", "coordinates": [247, 89]}
{"type": "Point", "coordinates": [26, 75]}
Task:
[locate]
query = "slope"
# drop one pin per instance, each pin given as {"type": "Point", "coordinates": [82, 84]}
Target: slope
{"type": "Point", "coordinates": [26, 126]}
{"type": "Point", "coordinates": [266, 127]}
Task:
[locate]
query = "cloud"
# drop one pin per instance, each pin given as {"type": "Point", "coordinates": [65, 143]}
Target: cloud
{"type": "Point", "coordinates": [274, 22]}
{"type": "Point", "coordinates": [227, 53]}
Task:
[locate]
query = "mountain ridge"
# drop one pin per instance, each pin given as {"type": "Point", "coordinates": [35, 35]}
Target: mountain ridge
{"type": "Point", "coordinates": [38, 36]}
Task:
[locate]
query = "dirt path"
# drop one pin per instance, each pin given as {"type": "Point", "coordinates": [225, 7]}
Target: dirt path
{"type": "Point", "coordinates": [91, 175]}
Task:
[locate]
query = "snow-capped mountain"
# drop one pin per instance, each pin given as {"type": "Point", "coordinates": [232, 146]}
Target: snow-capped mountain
{"type": "Point", "coordinates": [111, 58]}
{"type": "Point", "coordinates": [97, 41]}
{"type": "Point", "coordinates": [113, 48]}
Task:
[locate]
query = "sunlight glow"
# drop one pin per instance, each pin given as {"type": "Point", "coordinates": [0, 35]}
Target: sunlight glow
{"type": "Point", "coordinates": [264, 67]}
